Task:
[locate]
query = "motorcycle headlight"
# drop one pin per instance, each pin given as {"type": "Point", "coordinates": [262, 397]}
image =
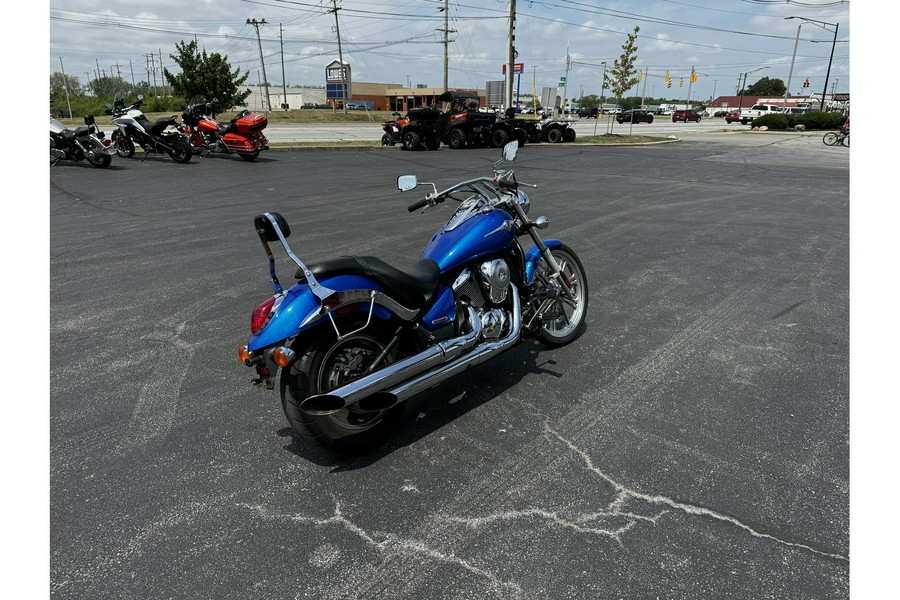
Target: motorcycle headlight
{"type": "Point", "coordinates": [523, 201]}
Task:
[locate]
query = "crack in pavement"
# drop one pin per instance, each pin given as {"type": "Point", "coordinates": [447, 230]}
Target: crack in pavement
{"type": "Point", "coordinates": [384, 542]}
{"type": "Point", "coordinates": [625, 493]}
{"type": "Point", "coordinates": [577, 524]}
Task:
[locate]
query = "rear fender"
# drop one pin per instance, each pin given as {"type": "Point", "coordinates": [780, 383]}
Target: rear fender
{"type": "Point", "coordinates": [533, 257]}
{"type": "Point", "coordinates": [299, 309]}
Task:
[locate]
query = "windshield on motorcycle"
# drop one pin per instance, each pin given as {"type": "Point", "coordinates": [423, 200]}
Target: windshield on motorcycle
{"type": "Point", "coordinates": [197, 101]}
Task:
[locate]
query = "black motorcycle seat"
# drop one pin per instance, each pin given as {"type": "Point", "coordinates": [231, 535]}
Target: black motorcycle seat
{"type": "Point", "coordinates": [69, 135]}
{"type": "Point", "coordinates": [412, 288]}
{"type": "Point", "coordinates": [161, 123]}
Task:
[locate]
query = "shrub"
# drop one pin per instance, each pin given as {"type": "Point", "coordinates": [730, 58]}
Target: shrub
{"type": "Point", "coordinates": [776, 121]}
{"type": "Point", "coordinates": [810, 120]}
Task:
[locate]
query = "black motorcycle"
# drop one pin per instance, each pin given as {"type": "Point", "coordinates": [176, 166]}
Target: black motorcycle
{"type": "Point", "coordinates": [133, 127]}
{"type": "Point", "coordinates": [82, 143]}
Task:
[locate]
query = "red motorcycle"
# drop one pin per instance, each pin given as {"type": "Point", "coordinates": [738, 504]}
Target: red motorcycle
{"type": "Point", "coordinates": [242, 136]}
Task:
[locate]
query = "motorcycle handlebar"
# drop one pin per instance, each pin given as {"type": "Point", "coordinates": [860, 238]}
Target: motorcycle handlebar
{"type": "Point", "coordinates": [417, 205]}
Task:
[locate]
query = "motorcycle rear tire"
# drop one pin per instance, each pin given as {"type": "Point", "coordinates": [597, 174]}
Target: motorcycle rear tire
{"type": "Point", "coordinates": [99, 160]}
{"type": "Point", "coordinates": [181, 151]}
{"type": "Point", "coordinates": [124, 145]}
{"type": "Point", "coordinates": [321, 366]}
{"type": "Point", "coordinates": [250, 157]}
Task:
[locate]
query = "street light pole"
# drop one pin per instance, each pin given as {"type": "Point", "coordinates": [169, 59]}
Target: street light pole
{"type": "Point", "coordinates": [828, 73]}
{"type": "Point", "coordinates": [830, 59]}
{"type": "Point", "coordinates": [743, 85]}
{"type": "Point", "coordinates": [602, 98]}
{"type": "Point", "coordinates": [787, 90]}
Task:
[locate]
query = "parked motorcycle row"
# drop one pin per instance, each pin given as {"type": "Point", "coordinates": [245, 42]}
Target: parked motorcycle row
{"type": "Point", "coordinates": [198, 133]}
{"type": "Point", "coordinates": [355, 338]}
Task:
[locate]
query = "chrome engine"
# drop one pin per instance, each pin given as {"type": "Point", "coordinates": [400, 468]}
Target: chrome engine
{"type": "Point", "coordinates": [495, 277]}
{"type": "Point", "coordinates": [492, 322]}
{"type": "Point", "coordinates": [491, 287]}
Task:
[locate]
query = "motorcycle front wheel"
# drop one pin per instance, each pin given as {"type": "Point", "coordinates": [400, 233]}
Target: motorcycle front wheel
{"type": "Point", "coordinates": [181, 150]}
{"type": "Point", "coordinates": [327, 363]}
{"type": "Point", "coordinates": [562, 319]}
{"type": "Point", "coordinates": [124, 145]}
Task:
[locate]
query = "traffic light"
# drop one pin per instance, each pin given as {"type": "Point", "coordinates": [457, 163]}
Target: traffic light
{"type": "Point", "coordinates": [806, 83]}
{"type": "Point", "coordinates": [668, 83]}
{"type": "Point", "coordinates": [640, 75]}
{"type": "Point", "coordinates": [681, 82]}
{"type": "Point", "coordinates": [693, 76]}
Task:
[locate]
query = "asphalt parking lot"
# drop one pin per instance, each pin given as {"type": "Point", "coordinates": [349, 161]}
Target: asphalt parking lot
{"type": "Point", "coordinates": [693, 443]}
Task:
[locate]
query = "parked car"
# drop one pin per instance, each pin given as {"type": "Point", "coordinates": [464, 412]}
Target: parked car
{"type": "Point", "coordinates": [720, 113]}
{"type": "Point", "coordinates": [685, 115]}
{"type": "Point", "coordinates": [589, 112]}
{"type": "Point", "coordinates": [733, 116]}
{"type": "Point", "coordinates": [634, 116]}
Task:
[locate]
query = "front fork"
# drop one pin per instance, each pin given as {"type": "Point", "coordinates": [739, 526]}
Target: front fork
{"type": "Point", "coordinates": [555, 269]}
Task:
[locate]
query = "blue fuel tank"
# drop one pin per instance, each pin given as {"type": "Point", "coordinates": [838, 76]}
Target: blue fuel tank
{"type": "Point", "coordinates": [469, 236]}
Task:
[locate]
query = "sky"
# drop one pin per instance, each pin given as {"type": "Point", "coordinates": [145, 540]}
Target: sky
{"type": "Point", "coordinates": [722, 40]}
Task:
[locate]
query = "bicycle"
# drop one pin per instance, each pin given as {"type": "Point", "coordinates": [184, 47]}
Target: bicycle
{"type": "Point", "coordinates": [833, 138]}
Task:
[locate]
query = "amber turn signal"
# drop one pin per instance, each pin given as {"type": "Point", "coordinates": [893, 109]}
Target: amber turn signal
{"type": "Point", "coordinates": [243, 354]}
{"type": "Point", "coordinates": [282, 356]}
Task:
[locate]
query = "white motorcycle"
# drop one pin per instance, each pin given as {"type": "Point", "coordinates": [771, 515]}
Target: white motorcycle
{"type": "Point", "coordinates": [133, 127]}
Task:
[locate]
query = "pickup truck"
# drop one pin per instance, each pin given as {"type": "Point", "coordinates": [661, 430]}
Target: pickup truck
{"type": "Point", "coordinates": [758, 110]}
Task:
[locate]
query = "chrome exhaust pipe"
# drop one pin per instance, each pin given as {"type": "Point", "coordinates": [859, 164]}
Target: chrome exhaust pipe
{"type": "Point", "coordinates": [394, 373]}
{"type": "Point", "coordinates": [388, 398]}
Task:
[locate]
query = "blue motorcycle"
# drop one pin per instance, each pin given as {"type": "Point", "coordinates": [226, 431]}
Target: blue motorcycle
{"type": "Point", "coordinates": [355, 337]}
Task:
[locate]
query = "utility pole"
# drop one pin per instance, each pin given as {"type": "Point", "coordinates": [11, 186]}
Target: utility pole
{"type": "Point", "coordinates": [162, 77]}
{"type": "Point", "coordinates": [566, 78]}
{"type": "Point", "coordinates": [511, 53]}
{"type": "Point", "coordinates": [337, 30]}
{"type": "Point", "coordinates": [131, 66]}
{"type": "Point", "coordinates": [283, 79]}
{"type": "Point", "coordinates": [66, 86]}
{"type": "Point", "coordinates": [447, 31]}
{"type": "Point", "coordinates": [690, 84]}
{"type": "Point", "coordinates": [99, 89]}
{"type": "Point", "coordinates": [256, 25]}
{"type": "Point", "coordinates": [153, 70]}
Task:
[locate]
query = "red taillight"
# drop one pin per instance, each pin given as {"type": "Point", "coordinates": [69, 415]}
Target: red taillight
{"type": "Point", "coordinates": [260, 314]}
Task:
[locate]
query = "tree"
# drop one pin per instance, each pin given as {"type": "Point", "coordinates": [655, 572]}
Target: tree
{"type": "Point", "coordinates": [58, 84]}
{"type": "Point", "coordinates": [589, 101]}
{"type": "Point", "coordinates": [113, 87]}
{"type": "Point", "coordinates": [207, 75]}
{"type": "Point", "coordinates": [766, 87]}
{"type": "Point", "coordinates": [623, 76]}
